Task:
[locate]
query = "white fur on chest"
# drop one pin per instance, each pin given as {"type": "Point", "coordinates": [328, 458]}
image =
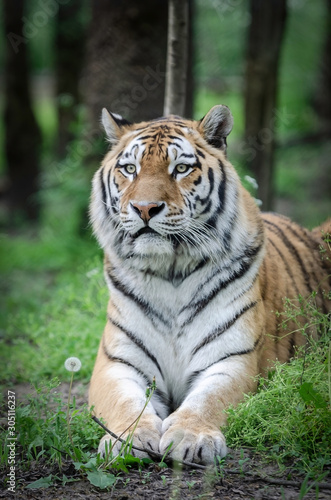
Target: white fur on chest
{"type": "Point", "coordinates": [169, 329]}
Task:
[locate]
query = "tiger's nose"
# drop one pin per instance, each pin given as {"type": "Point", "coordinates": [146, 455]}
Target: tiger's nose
{"type": "Point", "coordinates": [147, 210]}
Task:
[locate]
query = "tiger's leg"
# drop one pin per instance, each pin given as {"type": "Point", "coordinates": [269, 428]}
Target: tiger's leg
{"type": "Point", "coordinates": [194, 428]}
{"type": "Point", "coordinates": [118, 394]}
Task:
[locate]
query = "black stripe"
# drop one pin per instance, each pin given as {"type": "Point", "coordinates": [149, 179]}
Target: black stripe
{"type": "Point", "coordinates": [227, 233]}
{"type": "Point", "coordinates": [112, 200]}
{"type": "Point", "coordinates": [207, 207]}
{"type": "Point", "coordinates": [248, 253]}
{"type": "Point", "coordinates": [187, 202]}
{"type": "Point", "coordinates": [211, 187]}
{"type": "Point", "coordinates": [201, 304]}
{"type": "Point", "coordinates": [177, 138]}
{"type": "Point", "coordinates": [239, 353]}
{"type": "Point", "coordinates": [166, 400]}
{"type": "Point", "coordinates": [222, 188]}
{"type": "Point", "coordinates": [309, 242]}
{"type": "Point", "coordinates": [142, 138]}
{"type": "Point", "coordinates": [137, 342]}
{"type": "Point", "coordinates": [186, 155]}
{"type": "Point", "coordinates": [288, 269]}
{"type": "Point", "coordinates": [280, 233]}
{"type": "Point", "coordinates": [178, 277]}
{"type": "Point", "coordinates": [264, 289]}
{"type": "Point", "coordinates": [196, 374]}
{"type": "Point", "coordinates": [144, 306]}
{"type": "Point", "coordinates": [221, 198]}
{"type": "Point", "coordinates": [243, 291]}
{"type": "Point", "coordinates": [222, 329]}
{"type": "Point", "coordinates": [127, 363]}
{"type": "Point", "coordinates": [103, 191]}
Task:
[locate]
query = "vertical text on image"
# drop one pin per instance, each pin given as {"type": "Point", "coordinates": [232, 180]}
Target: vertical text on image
{"type": "Point", "coordinates": [11, 441]}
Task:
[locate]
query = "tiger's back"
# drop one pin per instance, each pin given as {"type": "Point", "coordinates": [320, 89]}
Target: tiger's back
{"type": "Point", "coordinates": [297, 263]}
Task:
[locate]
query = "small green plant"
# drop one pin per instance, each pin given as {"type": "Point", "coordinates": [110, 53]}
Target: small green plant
{"type": "Point", "coordinates": [289, 418]}
{"type": "Point", "coordinates": [242, 461]}
{"type": "Point", "coordinates": [190, 484]}
{"type": "Point", "coordinates": [305, 487]}
{"type": "Point", "coordinates": [126, 448]}
{"type": "Point", "coordinates": [43, 427]}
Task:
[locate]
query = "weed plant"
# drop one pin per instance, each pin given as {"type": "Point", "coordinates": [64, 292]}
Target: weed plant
{"type": "Point", "coordinates": [53, 431]}
{"type": "Point", "coordinates": [42, 427]}
{"type": "Point", "coordinates": [289, 419]}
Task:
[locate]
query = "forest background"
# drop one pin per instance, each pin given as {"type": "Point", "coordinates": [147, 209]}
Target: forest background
{"type": "Point", "coordinates": [61, 62]}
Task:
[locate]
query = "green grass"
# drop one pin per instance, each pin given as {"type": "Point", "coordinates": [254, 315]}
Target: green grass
{"type": "Point", "coordinates": [60, 314]}
{"type": "Point", "coordinates": [289, 419]}
{"type": "Point", "coordinates": [53, 293]}
{"type": "Point", "coordinates": [42, 427]}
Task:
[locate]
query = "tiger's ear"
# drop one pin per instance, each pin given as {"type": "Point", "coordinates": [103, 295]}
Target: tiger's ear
{"type": "Point", "coordinates": [113, 125]}
{"type": "Point", "coordinates": [216, 125]}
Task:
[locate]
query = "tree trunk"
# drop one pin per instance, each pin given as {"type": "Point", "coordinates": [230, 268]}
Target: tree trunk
{"type": "Point", "coordinates": [125, 70]}
{"type": "Point", "coordinates": [22, 135]}
{"type": "Point", "coordinates": [69, 48]}
{"type": "Point", "coordinates": [322, 101]}
{"type": "Point", "coordinates": [264, 43]}
{"type": "Point", "coordinates": [177, 58]}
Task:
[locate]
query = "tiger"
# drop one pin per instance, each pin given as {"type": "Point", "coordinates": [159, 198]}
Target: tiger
{"type": "Point", "coordinates": [196, 273]}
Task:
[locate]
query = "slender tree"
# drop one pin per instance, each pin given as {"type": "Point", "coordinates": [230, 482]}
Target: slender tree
{"type": "Point", "coordinates": [264, 43]}
{"type": "Point", "coordinates": [22, 135]}
{"type": "Point", "coordinates": [177, 57]}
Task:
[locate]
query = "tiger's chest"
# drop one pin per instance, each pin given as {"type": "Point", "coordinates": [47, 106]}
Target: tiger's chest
{"type": "Point", "coordinates": [183, 328]}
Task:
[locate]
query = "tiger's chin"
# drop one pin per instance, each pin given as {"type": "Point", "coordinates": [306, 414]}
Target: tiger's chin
{"type": "Point", "coordinates": [153, 245]}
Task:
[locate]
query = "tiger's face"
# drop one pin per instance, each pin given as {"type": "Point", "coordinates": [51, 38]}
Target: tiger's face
{"type": "Point", "coordinates": [165, 185]}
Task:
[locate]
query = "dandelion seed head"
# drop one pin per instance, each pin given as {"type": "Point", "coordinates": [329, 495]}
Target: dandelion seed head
{"type": "Point", "coordinates": [73, 364]}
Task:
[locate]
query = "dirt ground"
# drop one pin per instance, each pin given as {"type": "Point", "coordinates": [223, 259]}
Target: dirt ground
{"type": "Point", "coordinates": [254, 480]}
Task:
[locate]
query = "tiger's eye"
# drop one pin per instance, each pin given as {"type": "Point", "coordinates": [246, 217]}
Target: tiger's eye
{"type": "Point", "coordinates": [181, 169]}
{"type": "Point", "coordinates": [130, 169]}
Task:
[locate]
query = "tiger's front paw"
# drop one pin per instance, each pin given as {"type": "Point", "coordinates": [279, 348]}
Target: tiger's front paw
{"type": "Point", "coordinates": [193, 440]}
{"type": "Point", "coordinates": [145, 436]}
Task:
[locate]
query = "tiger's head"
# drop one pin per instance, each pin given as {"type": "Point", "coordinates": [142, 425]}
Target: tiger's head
{"type": "Point", "coordinates": [166, 189]}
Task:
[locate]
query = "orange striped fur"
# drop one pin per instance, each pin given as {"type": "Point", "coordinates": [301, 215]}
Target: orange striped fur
{"type": "Point", "coordinates": [196, 274]}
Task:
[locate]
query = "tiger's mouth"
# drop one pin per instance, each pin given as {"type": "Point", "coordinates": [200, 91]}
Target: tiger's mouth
{"type": "Point", "coordinates": [145, 230]}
